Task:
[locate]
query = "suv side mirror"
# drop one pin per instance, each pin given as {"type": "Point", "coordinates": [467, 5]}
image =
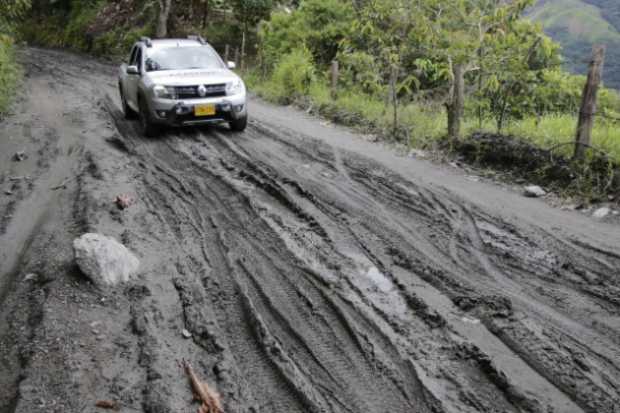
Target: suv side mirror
{"type": "Point", "coordinates": [133, 70]}
{"type": "Point", "coordinates": [232, 65]}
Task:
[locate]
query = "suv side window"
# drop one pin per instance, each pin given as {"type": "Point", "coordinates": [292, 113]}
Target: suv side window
{"type": "Point", "coordinates": [139, 59]}
{"type": "Point", "coordinates": [132, 56]}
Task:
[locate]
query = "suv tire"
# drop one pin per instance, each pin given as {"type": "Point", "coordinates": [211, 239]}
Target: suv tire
{"type": "Point", "coordinates": [127, 111]}
{"type": "Point", "coordinates": [149, 129]}
{"type": "Point", "coordinates": [238, 125]}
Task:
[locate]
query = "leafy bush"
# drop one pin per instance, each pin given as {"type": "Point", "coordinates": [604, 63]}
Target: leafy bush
{"type": "Point", "coordinates": [362, 71]}
{"type": "Point", "coordinates": [81, 16]}
{"type": "Point", "coordinates": [9, 72]}
{"type": "Point", "coordinates": [558, 91]}
{"type": "Point", "coordinates": [293, 75]}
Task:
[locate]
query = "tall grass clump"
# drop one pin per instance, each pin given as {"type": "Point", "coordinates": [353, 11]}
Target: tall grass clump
{"type": "Point", "coordinates": [9, 72]}
{"type": "Point", "coordinates": [292, 76]}
{"type": "Point", "coordinates": [557, 132]}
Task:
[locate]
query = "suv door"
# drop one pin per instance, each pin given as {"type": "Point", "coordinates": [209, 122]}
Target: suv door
{"type": "Point", "coordinates": [131, 86]}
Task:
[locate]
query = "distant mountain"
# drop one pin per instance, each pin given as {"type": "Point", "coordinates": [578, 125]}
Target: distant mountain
{"type": "Point", "coordinates": [610, 10]}
{"type": "Point", "coordinates": [577, 25]}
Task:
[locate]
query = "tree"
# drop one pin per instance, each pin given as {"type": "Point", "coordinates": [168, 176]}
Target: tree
{"type": "Point", "coordinates": [165, 8]}
{"type": "Point", "coordinates": [455, 34]}
{"type": "Point", "coordinates": [249, 13]}
{"type": "Point", "coordinates": [460, 36]}
{"type": "Point", "coordinates": [524, 55]}
{"type": "Point", "coordinates": [388, 29]}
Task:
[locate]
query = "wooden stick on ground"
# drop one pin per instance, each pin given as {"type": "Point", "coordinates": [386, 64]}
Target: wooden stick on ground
{"type": "Point", "coordinates": [210, 399]}
{"type": "Point", "coordinates": [107, 404]}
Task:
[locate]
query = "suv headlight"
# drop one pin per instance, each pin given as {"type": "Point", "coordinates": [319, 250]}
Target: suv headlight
{"type": "Point", "coordinates": [164, 92]}
{"type": "Point", "coordinates": [235, 87]}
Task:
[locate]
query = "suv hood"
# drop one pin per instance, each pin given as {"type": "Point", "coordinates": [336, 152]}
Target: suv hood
{"type": "Point", "coordinates": [191, 77]}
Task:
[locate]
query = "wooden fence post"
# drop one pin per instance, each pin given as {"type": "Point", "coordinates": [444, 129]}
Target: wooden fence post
{"type": "Point", "coordinates": [226, 53]}
{"type": "Point", "coordinates": [456, 101]}
{"type": "Point", "coordinates": [237, 56]}
{"type": "Point", "coordinates": [588, 102]}
{"type": "Point", "coordinates": [334, 76]}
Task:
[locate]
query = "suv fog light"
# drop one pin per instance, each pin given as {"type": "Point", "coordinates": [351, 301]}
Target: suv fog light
{"type": "Point", "coordinates": [162, 113]}
{"type": "Point", "coordinates": [238, 108]}
{"type": "Point", "coordinates": [179, 110]}
{"type": "Point", "coordinates": [226, 107]}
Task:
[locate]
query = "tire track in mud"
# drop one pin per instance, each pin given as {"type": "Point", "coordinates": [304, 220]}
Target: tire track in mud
{"type": "Point", "coordinates": [253, 252]}
{"type": "Point", "coordinates": [350, 376]}
{"type": "Point", "coordinates": [245, 175]}
{"type": "Point", "coordinates": [609, 396]}
{"type": "Point", "coordinates": [484, 250]}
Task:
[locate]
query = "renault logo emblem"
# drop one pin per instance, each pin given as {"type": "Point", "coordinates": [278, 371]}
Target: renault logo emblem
{"type": "Point", "coordinates": [202, 91]}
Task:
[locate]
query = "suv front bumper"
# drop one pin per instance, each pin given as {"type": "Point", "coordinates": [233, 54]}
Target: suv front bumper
{"type": "Point", "coordinates": [181, 112]}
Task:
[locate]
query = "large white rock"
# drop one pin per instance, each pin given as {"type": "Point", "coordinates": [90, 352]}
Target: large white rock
{"type": "Point", "coordinates": [104, 260]}
{"type": "Point", "coordinates": [601, 213]}
{"type": "Point", "coordinates": [534, 191]}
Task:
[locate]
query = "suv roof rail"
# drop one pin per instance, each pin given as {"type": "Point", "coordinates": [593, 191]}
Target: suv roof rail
{"type": "Point", "coordinates": [198, 38]}
{"type": "Point", "coordinates": [147, 41]}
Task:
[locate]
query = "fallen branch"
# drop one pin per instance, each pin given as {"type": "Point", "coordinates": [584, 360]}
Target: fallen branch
{"type": "Point", "coordinates": [210, 399]}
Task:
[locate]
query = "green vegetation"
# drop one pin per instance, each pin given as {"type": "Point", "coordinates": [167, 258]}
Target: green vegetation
{"type": "Point", "coordinates": [11, 12]}
{"type": "Point", "coordinates": [9, 72]}
{"type": "Point", "coordinates": [294, 75]}
{"type": "Point", "coordinates": [399, 88]}
{"type": "Point", "coordinates": [424, 123]}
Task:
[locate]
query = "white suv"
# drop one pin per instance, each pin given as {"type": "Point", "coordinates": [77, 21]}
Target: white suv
{"type": "Point", "coordinates": [178, 82]}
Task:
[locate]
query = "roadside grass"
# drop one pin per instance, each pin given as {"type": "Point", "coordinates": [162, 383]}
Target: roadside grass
{"type": "Point", "coordinates": [10, 73]}
{"type": "Point", "coordinates": [558, 129]}
{"type": "Point", "coordinates": [423, 125]}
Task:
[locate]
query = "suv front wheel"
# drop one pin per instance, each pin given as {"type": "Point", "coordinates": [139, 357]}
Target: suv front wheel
{"type": "Point", "coordinates": [127, 111]}
{"type": "Point", "coordinates": [149, 129]}
{"type": "Point", "coordinates": [238, 125]}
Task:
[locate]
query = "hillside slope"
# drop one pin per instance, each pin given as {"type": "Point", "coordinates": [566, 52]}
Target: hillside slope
{"type": "Point", "coordinates": [577, 25]}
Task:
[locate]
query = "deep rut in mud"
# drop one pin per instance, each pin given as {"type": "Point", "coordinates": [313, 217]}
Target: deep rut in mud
{"type": "Point", "coordinates": [311, 279]}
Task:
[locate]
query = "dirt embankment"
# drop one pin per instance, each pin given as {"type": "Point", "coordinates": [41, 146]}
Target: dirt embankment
{"type": "Point", "coordinates": [313, 271]}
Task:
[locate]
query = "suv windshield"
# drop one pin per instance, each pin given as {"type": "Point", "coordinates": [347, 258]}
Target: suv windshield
{"type": "Point", "coordinates": [182, 58]}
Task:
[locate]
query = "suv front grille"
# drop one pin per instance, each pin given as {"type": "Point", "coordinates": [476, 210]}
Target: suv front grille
{"type": "Point", "coordinates": [191, 92]}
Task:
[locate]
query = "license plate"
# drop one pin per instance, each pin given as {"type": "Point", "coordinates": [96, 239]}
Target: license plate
{"type": "Point", "coordinates": [204, 110]}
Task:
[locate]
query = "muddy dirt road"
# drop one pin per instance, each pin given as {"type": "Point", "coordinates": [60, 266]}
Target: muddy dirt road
{"type": "Point", "coordinates": [315, 271]}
